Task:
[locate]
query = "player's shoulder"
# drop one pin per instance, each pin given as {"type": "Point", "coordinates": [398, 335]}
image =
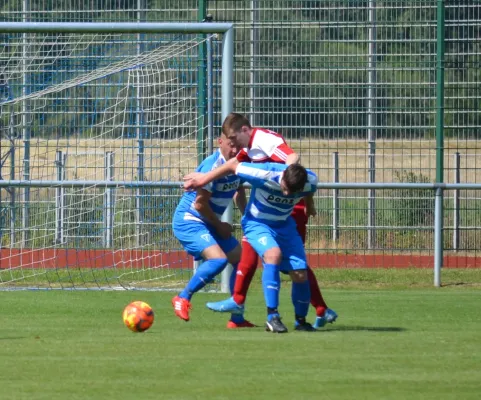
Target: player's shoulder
{"type": "Point", "coordinates": [312, 177]}
{"type": "Point", "coordinates": [265, 166]}
{"type": "Point", "coordinates": [213, 161]}
{"type": "Point", "coordinates": [265, 134]}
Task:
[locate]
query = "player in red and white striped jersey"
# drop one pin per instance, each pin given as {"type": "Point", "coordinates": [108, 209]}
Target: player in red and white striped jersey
{"type": "Point", "coordinates": [262, 145]}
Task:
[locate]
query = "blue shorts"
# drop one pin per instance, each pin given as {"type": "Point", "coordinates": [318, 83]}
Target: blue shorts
{"type": "Point", "coordinates": [263, 237]}
{"type": "Point", "coordinates": [196, 236]}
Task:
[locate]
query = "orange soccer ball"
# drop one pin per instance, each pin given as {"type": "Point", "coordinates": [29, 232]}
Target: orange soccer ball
{"type": "Point", "coordinates": [138, 316]}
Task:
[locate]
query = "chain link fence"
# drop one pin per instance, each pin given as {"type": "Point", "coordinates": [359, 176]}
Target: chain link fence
{"type": "Point", "coordinates": [353, 86]}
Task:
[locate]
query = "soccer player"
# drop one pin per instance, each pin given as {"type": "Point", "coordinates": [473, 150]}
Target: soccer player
{"type": "Point", "coordinates": [262, 145]}
{"type": "Point", "coordinates": [198, 227]}
{"type": "Point", "coordinates": [270, 230]}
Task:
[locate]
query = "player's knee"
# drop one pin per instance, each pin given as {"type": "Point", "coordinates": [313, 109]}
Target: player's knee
{"type": "Point", "coordinates": [214, 266]}
{"type": "Point", "coordinates": [298, 276]}
{"type": "Point", "coordinates": [212, 252]}
{"type": "Point", "coordinates": [273, 256]}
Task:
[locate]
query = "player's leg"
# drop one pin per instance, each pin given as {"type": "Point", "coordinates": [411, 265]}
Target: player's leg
{"type": "Point", "coordinates": [294, 263]}
{"type": "Point", "coordinates": [233, 250]}
{"type": "Point", "coordinates": [241, 280]}
{"type": "Point", "coordinates": [323, 313]}
{"type": "Point", "coordinates": [201, 243]}
{"type": "Point", "coordinates": [245, 272]}
{"type": "Point", "coordinates": [263, 240]}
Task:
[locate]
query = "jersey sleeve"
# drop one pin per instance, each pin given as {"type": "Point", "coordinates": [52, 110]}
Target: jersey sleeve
{"type": "Point", "coordinates": [280, 153]}
{"type": "Point", "coordinates": [272, 145]}
{"type": "Point", "coordinates": [242, 156]}
{"type": "Point", "coordinates": [205, 167]}
{"type": "Point", "coordinates": [258, 175]}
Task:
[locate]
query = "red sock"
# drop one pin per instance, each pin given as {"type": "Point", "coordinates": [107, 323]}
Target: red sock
{"type": "Point", "coordinates": [245, 272]}
{"type": "Point", "coordinates": [317, 301]}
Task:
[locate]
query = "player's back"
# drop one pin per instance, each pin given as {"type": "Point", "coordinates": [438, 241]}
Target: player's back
{"type": "Point", "coordinates": [222, 191]}
{"type": "Point", "coordinates": [267, 203]}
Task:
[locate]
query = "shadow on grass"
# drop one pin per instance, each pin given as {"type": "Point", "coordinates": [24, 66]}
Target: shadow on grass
{"type": "Point", "coordinates": [365, 328]}
{"type": "Point", "coordinates": [14, 337]}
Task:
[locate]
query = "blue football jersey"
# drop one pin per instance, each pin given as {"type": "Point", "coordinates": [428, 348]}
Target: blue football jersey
{"type": "Point", "coordinates": [267, 203]}
{"type": "Point", "coordinates": [222, 191]}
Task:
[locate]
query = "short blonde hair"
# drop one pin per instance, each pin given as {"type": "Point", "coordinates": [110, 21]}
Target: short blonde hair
{"type": "Point", "coordinates": [234, 122]}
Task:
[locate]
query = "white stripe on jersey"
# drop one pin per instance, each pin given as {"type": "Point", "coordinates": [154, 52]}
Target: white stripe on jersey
{"type": "Point", "coordinates": [261, 196]}
{"type": "Point", "coordinates": [269, 217]}
{"type": "Point", "coordinates": [217, 163]}
{"type": "Point", "coordinates": [190, 217]}
{"type": "Point", "coordinates": [263, 174]}
{"type": "Point", "coordinates": [221, 201]}
{"type": "Point", "coordinates": [280, 154]}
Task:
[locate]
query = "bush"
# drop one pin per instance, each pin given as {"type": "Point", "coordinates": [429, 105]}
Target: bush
{"type": "Point", "coordinates": [412, 207]}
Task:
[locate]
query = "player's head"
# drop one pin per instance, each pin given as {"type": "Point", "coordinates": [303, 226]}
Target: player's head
{"type": "Point", "coordinates": [294, 179]}
{"type": "Point", "coordinates": [237, 129]}
{"type": "Point", "coordinates": [227, 148]}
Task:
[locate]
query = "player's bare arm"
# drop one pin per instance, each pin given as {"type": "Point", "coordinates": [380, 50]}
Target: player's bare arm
{"type": "Point", "coordinates": [197, 180]}
{"type": "Point", "coordinates": [240, 199]}
{"type": "Point", "coordinates": [203, 208]}
{"type": "Point", "coordinates": [310, 206]}
{"type": "Point", "coordinates": [293, 158]}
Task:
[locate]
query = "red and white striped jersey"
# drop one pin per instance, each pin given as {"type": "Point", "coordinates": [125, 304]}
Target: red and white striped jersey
{"type": "Point", "coordinates": [265, 146]}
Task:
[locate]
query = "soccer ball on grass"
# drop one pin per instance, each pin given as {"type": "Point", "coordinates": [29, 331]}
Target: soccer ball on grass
{"type": "Point", "coordinates": [138, 316]}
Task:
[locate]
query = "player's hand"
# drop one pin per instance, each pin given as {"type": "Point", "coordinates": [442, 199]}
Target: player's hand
{"type": "Point", "coordinates": [224, 230]}
{"type": "Point", "coordinates": [193, 181]}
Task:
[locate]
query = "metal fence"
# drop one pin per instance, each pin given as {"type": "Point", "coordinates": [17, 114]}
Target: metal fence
{"type": "Point", "coordinates": [366, 91]}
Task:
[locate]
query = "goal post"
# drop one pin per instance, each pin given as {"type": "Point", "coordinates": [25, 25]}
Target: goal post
{"type": "Point", "coordinates": [94, 126]}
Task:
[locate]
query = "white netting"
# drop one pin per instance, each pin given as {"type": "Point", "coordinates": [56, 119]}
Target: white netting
{"type": "Point", "coordinates": [96, 107]}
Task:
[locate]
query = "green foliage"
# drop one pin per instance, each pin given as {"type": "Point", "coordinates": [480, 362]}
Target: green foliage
{"type": "Point", "coordinates": [412, 207]}
{"type": "Point", "coordinates": [312, 78]}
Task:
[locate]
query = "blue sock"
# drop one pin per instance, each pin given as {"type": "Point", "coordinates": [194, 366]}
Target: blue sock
{"type": "Point", "coordinates": [205, 273]}
{"type": "Point", "coordinates": [232, 278]}
{"type": "Point", "coordinates": [271, 283]}
{"type": "Point", "coordinates": [301, 295]}
{"type": "Point", "coordinates": [270, 316]}
{"type": "Point", "coordinates": [236, 318]}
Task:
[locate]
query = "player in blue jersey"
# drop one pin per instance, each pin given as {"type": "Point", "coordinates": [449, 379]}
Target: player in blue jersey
{"type": "Point", "coordinates": [270, 229]}
{"type": "Point", "coordinates": [197, 225]}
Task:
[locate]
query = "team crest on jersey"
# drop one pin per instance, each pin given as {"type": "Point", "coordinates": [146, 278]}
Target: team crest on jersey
{"type": "Point", "coordinates": [263, 240]}
{"type": "Point", "coordinates": [206, 237]}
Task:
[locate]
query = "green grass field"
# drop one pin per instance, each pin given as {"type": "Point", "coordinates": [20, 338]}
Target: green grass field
{"type": "Point", "coordinates": [393, 340]}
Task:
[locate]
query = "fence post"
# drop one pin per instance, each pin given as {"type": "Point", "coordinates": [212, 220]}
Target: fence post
{"type": "Point", "coordinates": [228, 217]}
{"type": "Point", "coordinates": [456, 219]}
{"type": "Point", "coordinates": [26, 132]}
{"type": "Point", "coordinates": [60, 159]}
{"type": "Point", "coordinates": [109, 200]}
{"type": "Point", "coordinates": [210, 93]}
{"type": "Point", "coordinates": [139, 134]}
{"type": "Point", "coordinates": [438, 236]}
{"type": "Point", "coordinates": [254, 46]}
{"type": "Point", "coordinates": [13, 206]}
{"type": "Point", "coordinates": [371, 122]}
{"type": "Point", "coordinates": [335, 197]}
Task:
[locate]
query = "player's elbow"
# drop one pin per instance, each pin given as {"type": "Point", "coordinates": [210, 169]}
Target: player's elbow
{"type": "Point", "coordinates": [199, 206]}
{"type": "Point", "coordinates": [293, 158]}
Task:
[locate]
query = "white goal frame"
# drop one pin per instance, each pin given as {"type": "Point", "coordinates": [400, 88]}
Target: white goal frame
{"type": "Point", "coordinates": [227, 88]}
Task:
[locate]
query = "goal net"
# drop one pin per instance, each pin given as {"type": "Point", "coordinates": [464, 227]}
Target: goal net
{"type": "Point", "coordinates": [90, 109]}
